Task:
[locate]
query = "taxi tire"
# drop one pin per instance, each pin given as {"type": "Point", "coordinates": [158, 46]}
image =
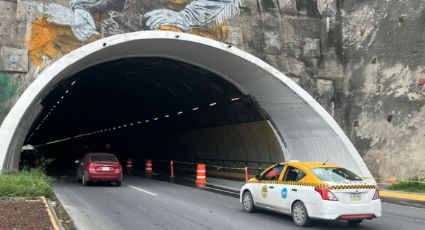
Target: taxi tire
{"type": "Point", "coordinates": [300, 207]}
{"type": "Point", "coordinates": [118, 183]}
{"type": "Point", "coordinates": [247, 197]}
{"type": "Point", "coordinates": [354, 222]}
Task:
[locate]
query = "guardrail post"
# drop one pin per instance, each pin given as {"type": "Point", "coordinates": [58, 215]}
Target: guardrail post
{"type": "Point", "coordinates": [246, 174]}
{"type": "Point", "coordinates": [172, 168]}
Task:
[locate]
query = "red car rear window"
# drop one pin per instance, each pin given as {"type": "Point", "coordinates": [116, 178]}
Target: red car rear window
{"type": "Point", "coordinates": [103, 158]}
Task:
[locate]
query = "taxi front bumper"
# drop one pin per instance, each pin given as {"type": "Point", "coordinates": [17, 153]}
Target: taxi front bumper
{"type": "Point", "coordinates": [333, 210]}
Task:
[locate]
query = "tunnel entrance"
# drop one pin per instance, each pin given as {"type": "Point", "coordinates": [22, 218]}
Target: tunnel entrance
{"type": "Point", "coordinates": [305, 131]}
{"type": "Point", "coordinates": [151, 108]}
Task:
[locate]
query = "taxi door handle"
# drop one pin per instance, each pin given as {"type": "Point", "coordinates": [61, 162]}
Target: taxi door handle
{"type": "Point", "coordinates": [271, 187]}
{"type": "Point", "coordinates": [294, 189]}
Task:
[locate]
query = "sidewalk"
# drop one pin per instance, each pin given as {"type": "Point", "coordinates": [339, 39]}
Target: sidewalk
{"type": "Point", "coordinates": [403, 195]}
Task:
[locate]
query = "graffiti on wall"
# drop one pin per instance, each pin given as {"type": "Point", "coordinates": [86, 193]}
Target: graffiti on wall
{"type": "Point", "coordinates": [7, 90]}
{"type": "Point", "coordinates": [65, 28]}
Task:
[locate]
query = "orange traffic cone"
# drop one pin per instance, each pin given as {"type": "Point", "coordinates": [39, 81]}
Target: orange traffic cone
{"type": "Point", "coordinates": [201, 176]}
{"type": "Point", "coordinates": [148, 168]}
{"type": "Point", "coordinates": [129, 166]}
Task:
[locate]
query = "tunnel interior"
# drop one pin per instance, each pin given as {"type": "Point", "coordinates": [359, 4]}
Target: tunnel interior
{"type": "Point", "coordinates": [150, 108]}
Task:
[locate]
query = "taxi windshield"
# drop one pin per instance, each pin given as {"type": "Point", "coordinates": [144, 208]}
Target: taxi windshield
{"type": "Point", "coordinates": [335, 174]}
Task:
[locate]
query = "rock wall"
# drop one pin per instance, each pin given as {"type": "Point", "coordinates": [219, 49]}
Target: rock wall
{"type": "Point", "coordinates": [363, 60]}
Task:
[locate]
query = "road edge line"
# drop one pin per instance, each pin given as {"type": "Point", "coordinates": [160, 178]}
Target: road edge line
{"type": "Point", "coordinates": [49, 212]}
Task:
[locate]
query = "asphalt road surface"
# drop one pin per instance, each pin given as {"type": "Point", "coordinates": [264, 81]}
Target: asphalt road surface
{"type": "Point", "coordinates": [142, 203]}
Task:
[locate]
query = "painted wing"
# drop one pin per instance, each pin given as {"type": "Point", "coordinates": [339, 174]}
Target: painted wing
{"type": "Point", "coordinates": [198, 13]}
{"type": "Point", "coordinates": [59, 14]}
{"type": "Point", "coordinates": [83, 26]}
{"type": "Point", "coordinates": [80, 3]}
{"type": "Point", "coordinates": [210, 13]}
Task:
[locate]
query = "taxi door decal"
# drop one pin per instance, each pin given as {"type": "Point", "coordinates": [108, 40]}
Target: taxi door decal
{"type": "Point", "coordinates": [264, 191]}
{"type": "Point", "coordinates": [284, 193]}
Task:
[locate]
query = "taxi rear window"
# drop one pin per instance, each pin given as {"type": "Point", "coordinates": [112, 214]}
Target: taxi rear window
{"type": "Point", "coordinates": [335, 174]}
{"type": "Point", "coordinates": [103, 158]}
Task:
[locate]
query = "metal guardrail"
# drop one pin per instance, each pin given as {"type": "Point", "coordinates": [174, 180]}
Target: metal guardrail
{"type": "Point", "coordinates": [215, 163]}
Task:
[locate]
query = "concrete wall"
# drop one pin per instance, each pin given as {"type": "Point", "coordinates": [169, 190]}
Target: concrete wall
{"type": "Point", "coordinates": [362, 60]}
{"type": "Point", "coordinates": [244, 142]}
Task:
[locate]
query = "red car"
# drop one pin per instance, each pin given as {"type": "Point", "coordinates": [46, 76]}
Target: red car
{"type": "Point", "coordinates": [95, 167]}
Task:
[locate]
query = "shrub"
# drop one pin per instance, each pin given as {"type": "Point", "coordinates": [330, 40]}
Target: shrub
{"type": "Point", "coordinates": [414, 184]}
{"type": "Point", "coordinates": [27, 183]}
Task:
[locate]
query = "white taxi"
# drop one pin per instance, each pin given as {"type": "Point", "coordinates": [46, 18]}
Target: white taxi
{"type": "Point", "coordinates": [312, 190]}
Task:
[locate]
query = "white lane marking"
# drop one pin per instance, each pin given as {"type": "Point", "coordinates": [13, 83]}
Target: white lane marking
{"type": "Point", "coordinates": [142, 190]}
{"type": "Point", "coordinates": [220, 190]}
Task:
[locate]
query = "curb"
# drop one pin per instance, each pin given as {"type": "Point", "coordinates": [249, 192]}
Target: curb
{"type": "Point", "coordinates": [402, 195]}
{"type": "Point", "coordinates": [51, 214]}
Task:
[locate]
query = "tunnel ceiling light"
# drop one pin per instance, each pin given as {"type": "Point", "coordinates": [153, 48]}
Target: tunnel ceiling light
{"type": "Point", "coordinates": [214, 103]}
{"type": "Point", "coordinates": [119, 127]}
{"type": "Point", "coordinates": [67, 91]}
{"type": "Point", "coordinates": [195, 108]}
{"type": "Point", "coordinates": [73, 83]}
{"type": "Point", "coordinates": [167, 116]}
{"type": "Point", "coordinates": [125, 125]}
{"type": "Point", "coordinates": [235, 98]}
{"type": "Point", "coordinates": [54, 106]}
{"type": "Point", "coordinates": [147, 121]}
{"type": "Point", "coordinates": [58, 102]}
{"type": "Point", "coordinates": [131, 124]}
{"type": "Point", "coordinates": [114, 128]}
{"type": "Point", "coordinates": [180, 112]}
{"type": "Point", "coordinates": [62, 97]}
{"type": "Point", "coordinates": [155, 119]}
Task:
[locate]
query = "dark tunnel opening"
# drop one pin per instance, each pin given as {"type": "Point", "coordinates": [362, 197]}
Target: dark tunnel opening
{"type": "Point", "coordinates": [150, 108]}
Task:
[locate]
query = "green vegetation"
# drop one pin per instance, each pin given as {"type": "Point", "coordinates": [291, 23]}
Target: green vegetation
{"type": "Point", "coordinates": [7, 89]}
{"type": "Point", "coordinates": [415, 184]}
{"type": "Point", "coordinates": [27, 183]}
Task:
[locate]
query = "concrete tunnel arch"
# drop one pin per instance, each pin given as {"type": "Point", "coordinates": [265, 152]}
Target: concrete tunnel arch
{"type": "Point", "coordinates": [305, 129]}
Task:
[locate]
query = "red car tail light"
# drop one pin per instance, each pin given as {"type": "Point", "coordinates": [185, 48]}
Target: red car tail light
{"type": "Point", "coordinates": [326, 194]}
{"type": "Point", "coordinates": [118, 168]}
{"type": "Point", "coordinates": [376, 195]}
{"type": "Point", "coordinates": [91, 167]}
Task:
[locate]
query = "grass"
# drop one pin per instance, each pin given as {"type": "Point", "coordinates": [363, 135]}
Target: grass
{"type": "Point", "coordinates": [412, 185]}
{"type": "Point", "coordinates": [27, 183]}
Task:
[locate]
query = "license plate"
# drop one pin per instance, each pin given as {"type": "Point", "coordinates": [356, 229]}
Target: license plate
{"type": "Point", "coordinates": [105, 168]}
{"type": "Point", "coordinates": [355, 197]}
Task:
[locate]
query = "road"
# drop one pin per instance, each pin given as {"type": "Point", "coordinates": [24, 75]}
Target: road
{"type": "Point", "coordinates": [142, 203]}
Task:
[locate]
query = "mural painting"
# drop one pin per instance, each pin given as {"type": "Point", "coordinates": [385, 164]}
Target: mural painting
{"type": "Point", "coordinates": [7, 90]}
{"type": "Point", "coordinates": [65, 28]}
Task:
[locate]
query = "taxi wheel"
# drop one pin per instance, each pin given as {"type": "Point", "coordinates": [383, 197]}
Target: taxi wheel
{"type": "Point", "coordinates": [248, 202]}
{"type": "Point", "coordinates": [354, 222]}
{"type": "Point", "coordinates": [300, 215]}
